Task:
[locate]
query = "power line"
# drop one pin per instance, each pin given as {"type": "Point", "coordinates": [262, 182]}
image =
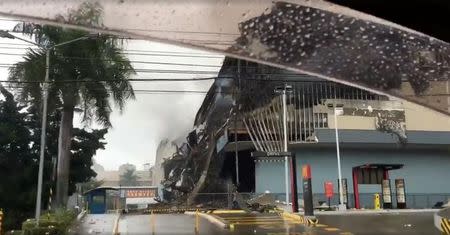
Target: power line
{"type": "Point", "coordinates": [145, 90]}
{"type": "Point", "coordinates": [139, 62]}
{"type": "Point", "coordinates": [126, 80]}
{"type": "Point", "coordinates": [141, 54]}
{"type": "Point", "coordinates": [24, 46]}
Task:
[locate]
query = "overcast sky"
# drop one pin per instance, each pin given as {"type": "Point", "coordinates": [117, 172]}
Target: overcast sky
{"type": "Point", "coordinates": [151, 117]}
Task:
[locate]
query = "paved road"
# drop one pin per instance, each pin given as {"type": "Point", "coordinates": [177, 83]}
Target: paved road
{"type": "Point", "coordinates": [244, 224]}
{"type": "Point", "coordinates": [265, 224]}
{"type": "Point", "coordinates": [172, 224]}
{"type": "Point", "coordinates": [96, 224]}
{"type": "Point", "coordinates": [411, 223]}
{"type": "Point", "coordinates": [272, 224]}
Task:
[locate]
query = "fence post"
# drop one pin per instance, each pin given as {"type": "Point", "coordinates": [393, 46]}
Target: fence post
{"type": "Point", "coordinates": [152, 218]}
{"type": "Point", "coordinates": [196, 222]}
{"type": "Point", "coordinates": [1, 220]}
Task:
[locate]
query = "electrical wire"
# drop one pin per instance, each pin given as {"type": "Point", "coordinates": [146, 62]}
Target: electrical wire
{"type": "Point", "coordinates": [27, 46]}
{"type": "Point", "coordinates": [127, 80]}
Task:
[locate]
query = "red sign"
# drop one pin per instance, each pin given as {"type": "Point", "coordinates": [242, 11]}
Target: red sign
{"type": "Point", "coordinates": [306, 172]}
{"type": "Point", "coordinates": [329, 189]}
{"type": "Point", "coordinates": [141, 193]}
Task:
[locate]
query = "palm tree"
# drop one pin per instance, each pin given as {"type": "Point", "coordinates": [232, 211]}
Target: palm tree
{"type": "Point", "coordinates": [86, 75]}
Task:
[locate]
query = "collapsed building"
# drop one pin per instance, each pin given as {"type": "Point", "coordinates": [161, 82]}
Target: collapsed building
{"type": "Point", "coordinates": [242, 113]}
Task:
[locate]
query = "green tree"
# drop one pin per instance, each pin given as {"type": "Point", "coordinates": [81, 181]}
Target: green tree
{"type": "Point", "coordinates": [19, 155]}
{"type": "Point", "coordinates": [129, 178]}
{"type": "Point", "coordinates": [18, 168]}
{"type": "Point", "coordinates": [86, 75]}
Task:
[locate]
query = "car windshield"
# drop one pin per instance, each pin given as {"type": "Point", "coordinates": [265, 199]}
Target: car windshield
{"type": "Point", "coordinates": [224, 116]}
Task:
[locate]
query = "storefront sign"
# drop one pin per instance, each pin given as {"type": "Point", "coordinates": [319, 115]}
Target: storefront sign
{"type": "Point", "coordinates": [386, 186]}
{"type": "Point", "coordinates": [400, 189]}
{"type": "Point", "coordinates": [140, 193]}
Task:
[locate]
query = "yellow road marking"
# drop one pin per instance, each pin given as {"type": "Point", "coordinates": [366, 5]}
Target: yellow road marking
{"type": "Point", "coordinates": [321, 225]}
{"type": "Point", "coordinates": [331, 229]}
{"type": "Point", "coordinates": [264, 223]}
{"type": "Point", "coordinates": [345, 233]}
{"type": "Point", "coordinates": [256, 220]}
{"type": "Point", "coordinates": [248, 217]}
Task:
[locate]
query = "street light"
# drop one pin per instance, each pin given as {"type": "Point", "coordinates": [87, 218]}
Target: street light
{"type": "Point", "coordinates": [283, 90]}
{"type": "Point", "coordinates": [48, 49]}
{"type": "Point", "coordinates": [338, 110]}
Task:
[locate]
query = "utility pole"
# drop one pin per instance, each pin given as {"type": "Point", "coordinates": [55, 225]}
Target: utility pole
{"type": "Point", "coordinates": [283, 90]}
{"type": "Point", "coordinates": [43, 134]}
{"type": "Point", "coordinates": [236, 152]}
{"type": "Point", "coordinates": [338, 110]}
{"type": "Point", "coordinates": [285, 148]}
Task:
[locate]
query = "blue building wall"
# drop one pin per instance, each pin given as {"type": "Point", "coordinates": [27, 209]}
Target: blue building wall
{"type": "Point", "coordinates": [425, 172]}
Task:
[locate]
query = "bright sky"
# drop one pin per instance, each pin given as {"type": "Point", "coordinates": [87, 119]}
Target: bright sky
{"type": "Point", "coordinates": [137, 131]}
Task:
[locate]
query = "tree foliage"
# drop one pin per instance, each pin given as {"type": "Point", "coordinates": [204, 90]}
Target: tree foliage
{"type": "Point", "coordinates": [87, 75]}
{"type": "Point", "coordinates": [129, 178]}
{"type": "Point", "coordinates": [19, 157]}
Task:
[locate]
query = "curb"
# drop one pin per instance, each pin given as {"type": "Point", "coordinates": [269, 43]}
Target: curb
{"type": "Point", "coordinates": [211, 218]}
{"type": "Point", "coordinates": [311, 221]}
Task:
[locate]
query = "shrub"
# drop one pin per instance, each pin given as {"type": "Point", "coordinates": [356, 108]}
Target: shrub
{"type": "Point", "coordinates": [56, 223]}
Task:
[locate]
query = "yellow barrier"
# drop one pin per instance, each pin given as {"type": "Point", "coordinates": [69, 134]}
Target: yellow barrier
{"type": "Point", "coordinates": [377, 201]}
{"type": "Point", "coordinates": [180, 210]}
{"type": "Point", "coordinates": [445, 226]}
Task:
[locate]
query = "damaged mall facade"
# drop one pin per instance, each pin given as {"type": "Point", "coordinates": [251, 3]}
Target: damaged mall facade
{"type": "Point", "coordinates": [380, 138]}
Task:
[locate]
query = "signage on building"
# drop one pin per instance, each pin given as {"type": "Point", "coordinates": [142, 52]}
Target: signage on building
{"type": "Point", "coordinates": [329, 189]}
{"type": "Point", "coordinates": [386, 186]}
{"type": "Point", "coordinates": [140, 193]}
{"type": "Point", "coordinates": [400, 189]}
